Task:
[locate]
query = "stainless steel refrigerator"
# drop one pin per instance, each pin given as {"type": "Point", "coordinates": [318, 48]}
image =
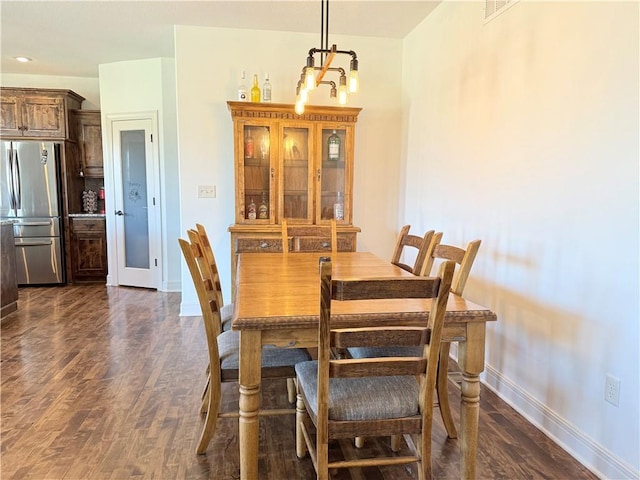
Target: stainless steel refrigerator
{"type": "Point", "coordinates": [30, 196]}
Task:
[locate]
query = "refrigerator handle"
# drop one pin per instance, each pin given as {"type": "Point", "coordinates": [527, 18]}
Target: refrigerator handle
{"type": "Point", "coordinates": [12, 179]}
{"type": "Point", "coordinates": [18, 191]}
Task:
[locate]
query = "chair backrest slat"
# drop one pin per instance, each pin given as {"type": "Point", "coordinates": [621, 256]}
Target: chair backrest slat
{"type": "Point", "coordinates": [378, 288]}
{"type": "Point", "coordinates": [377, 367]}
{"type": "Point", "coordinates": [377, 336]}
{"type": "Point", "coordinates": [328, 232]}
{"type": "Point", "coordinates": [420, 244]}
{"type": "Point", "coordinates": [464, 258]}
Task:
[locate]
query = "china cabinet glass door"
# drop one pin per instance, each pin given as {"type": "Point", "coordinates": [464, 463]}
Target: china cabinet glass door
{"type": "Point", "coordinates": [258, 174]}
{"type": "Point", "coordinates": [333, 176]}
{"type": "Point", "coordinates": [297, 174]}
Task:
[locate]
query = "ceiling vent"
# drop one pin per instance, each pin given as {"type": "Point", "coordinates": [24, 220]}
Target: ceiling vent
{"type": "Point", "coordinates": [493, 8]}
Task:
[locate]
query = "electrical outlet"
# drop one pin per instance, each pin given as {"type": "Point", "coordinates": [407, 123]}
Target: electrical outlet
{"type": "Point", "coordinates": [612, 390]}
{"type": "Point", "coordinates": [206, 191]}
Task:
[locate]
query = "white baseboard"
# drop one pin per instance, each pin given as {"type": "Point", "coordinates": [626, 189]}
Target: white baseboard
{"type": "Point", "coordinates": [590, 454]}
{"type": "Point", "coordinates": [190, 310]}
{"type": "Point", "coordinates": [171, 286]}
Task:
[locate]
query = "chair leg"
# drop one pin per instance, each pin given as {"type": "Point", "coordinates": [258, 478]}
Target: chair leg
{"type": "Point", "coordinates": [301, 412]}
{"type": "Point", "coordinates": [213, 409]}
{"type": "Point", "coordinates": [396, 443]}
{"type": "Point", "coordinates": [425, 471]}
{"type": "Point", "coordinates": [442, 390]}
{"type": "Point", "coordinates": [291, 390]}
{"type": "Point", "coordinates": [322, 459]}
{"type": "Point", "coordinates": [205, 396]}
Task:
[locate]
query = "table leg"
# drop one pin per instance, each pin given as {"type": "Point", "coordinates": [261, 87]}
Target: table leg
{"type": "Point", "coordinates": [471, 362]}
{"type": "Point", "coordinates": [250, 373]}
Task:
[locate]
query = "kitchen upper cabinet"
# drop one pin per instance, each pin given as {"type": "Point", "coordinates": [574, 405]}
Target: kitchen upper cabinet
{"type": "Point", "coordinates": [89, 134]}
{"type": "Point", "coordinates": [29, 113]}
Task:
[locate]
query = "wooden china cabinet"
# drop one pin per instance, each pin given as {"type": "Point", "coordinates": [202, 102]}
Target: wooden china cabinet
{"type": "Point", "coordinates": [287, 166]}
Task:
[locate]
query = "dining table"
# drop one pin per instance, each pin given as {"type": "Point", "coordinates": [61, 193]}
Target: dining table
{"type": "Point", "coordinates": [277, 302]}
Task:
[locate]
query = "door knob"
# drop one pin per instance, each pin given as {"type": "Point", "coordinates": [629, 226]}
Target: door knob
{"type": "Point", "coordinates": [119, 213]}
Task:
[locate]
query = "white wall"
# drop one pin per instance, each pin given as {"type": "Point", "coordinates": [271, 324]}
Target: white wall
{"type": "Point", "coordinates": [209, 63]}
{"type": "Point", "coordinates": [147, 86]}
{"type": "Point", "coordinates": [86, 87]}
{"type": "Point", "coordinates": [523, 132]}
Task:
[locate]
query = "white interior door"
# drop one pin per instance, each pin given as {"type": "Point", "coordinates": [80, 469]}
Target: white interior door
{"type": "Point", "coordinates": [135, 175]}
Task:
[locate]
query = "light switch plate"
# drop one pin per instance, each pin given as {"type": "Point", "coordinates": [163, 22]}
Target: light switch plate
{"type": "Point", "coordinates": [206, 191]}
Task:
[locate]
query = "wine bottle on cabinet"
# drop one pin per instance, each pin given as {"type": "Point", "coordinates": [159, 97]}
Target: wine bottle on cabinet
{"type": "Point", "coordinates": [266, 90]}
{"type": "Point", "coordinates": [338, 208]}
{"type": "Point", "coordinates": [334, 146]}
{"type": "Point", "coordinates": [251, 210]}
{"type": "Point", "coordinates": [248, 146]}
{"type": "Point", "coordinates": [242, 89]}
{"type": "Point", "coordinates": [263, 208]}
{"type": "Point", "coordinates": [255, 90]}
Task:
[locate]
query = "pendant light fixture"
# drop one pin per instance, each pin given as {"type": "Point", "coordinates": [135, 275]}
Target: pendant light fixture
{"type": "Point", "coordinates": [313, 76]}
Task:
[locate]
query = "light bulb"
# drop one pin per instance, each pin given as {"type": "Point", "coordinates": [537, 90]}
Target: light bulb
{"type": "Point", "coordinates": [310, 78]}
{"type": "Point", "coordinates": [304, 95]}
{"type": "Point", "coordinates": [342, 95]}
{"type": "Point", "coordinates": [353, 81]}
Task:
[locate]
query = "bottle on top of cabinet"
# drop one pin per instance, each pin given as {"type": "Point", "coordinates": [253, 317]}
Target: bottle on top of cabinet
{"type": "Point", "coordinates": [255, 90]}
{"type": "Point", "coordinates": [334, 147]}
{"type": "Point", "coordinates": [266, 90]}
{"type": "Point", "coordinates": [242, 89]}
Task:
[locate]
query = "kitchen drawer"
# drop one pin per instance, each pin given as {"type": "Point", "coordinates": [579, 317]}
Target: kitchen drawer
{"type": "Point", "coordinates": [253, 244]}
{"type": "Point", "coordinates": [88, 224]}
{"type": "Point", "coordinates": [322, 244]}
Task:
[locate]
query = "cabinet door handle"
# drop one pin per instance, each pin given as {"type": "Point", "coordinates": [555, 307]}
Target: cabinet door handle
{"type": "Point", "coordinates": [264, 245]}
{"type": "Point", "coordinates": [273, 173]}
{"type": "Point", "coordinates": [318, 174]}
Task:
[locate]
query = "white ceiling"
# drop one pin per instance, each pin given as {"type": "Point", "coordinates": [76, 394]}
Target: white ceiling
{"type": "Point", "coordinates": [72, 38]}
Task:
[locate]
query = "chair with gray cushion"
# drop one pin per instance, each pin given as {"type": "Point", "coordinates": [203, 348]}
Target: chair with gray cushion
{"type": "Point", "coordinates": [214, 288]}
{"type": "Point", "coordinates": [343, 398]}
{"type": "Point", "coordinates": [464, 261]}
{"type": "Point", "coordinates": [223, 347]}
{"type": "Point", "coordinates": [226, 311]}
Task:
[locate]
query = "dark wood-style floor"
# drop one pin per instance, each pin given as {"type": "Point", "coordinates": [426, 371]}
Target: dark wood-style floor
{"type": "Point", "coordinates": [104, 383]}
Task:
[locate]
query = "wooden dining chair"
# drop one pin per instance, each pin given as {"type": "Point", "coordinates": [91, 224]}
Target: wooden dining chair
{"type": "Point", "coordinates": [226, 311]}
{"type": "Point", "coordinates": [223, 347]}
{"type": "Point", "coordinates": [309, 238]}
{"type": "Point", "coordinates": [343, 398]}
{"type": "Point", "coordinates": [464, 259]}
{"type": "Point", "coordinates": [408, 244]}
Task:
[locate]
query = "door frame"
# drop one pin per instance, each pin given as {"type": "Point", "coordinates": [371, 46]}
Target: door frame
{"type": "Point", "coordinates": [155, 215]}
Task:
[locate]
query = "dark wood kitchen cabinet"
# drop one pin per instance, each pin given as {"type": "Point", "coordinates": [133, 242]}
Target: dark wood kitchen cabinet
{"type": "Point", "coordinates": [89, 131]}
{"type": "Point", "coordinates": [88, 249]}
{"type": "Point", "coordinates": [34, 113]}
{"type": "Point", "coordinates": [9, 284]}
